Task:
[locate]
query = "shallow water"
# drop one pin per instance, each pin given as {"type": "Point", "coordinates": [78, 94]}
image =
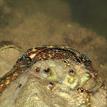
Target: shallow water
{"type": "Point", "coordinates": [78, 24]}
{"type": "Point", "coordinates": [91, 14]}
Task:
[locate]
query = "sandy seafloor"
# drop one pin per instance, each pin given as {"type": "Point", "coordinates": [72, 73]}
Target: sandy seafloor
{"type": "Point", "coordinates": [31, 23]}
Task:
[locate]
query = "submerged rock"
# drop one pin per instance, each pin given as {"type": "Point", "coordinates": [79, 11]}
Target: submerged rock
{"type": "Point", "coordinates": [52, 77]}
{"type": "Point", "coordinates": [9, 53]}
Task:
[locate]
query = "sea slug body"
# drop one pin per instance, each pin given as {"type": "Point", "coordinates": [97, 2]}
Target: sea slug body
{"type": "Point", "coordinates": [34, 55]}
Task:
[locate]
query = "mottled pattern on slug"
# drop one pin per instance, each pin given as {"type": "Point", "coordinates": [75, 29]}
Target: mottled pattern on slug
{"type": "Point", "coordinates": [33, 55]}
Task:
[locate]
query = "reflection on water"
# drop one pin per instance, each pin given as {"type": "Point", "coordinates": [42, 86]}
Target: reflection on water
{"type": "Point", "coordinates": [90, 13]}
